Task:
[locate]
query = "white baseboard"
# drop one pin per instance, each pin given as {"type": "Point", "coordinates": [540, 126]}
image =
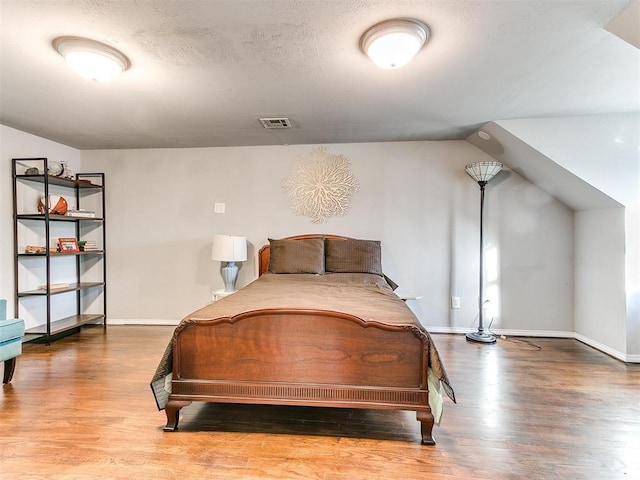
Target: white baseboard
{"type": "Point", "coordinates": [547, 333]}
{"type": "Point", "coordinates": [604, 348]}
{"type": "Point", "coordinates": [142, 321]}
{"type": "Point", "coordinates": [509, 333]}
{"type": "Point", "coordinates": [505, 332]}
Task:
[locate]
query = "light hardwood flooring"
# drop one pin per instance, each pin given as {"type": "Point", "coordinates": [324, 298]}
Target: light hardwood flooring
{"type": "Point", "coordinates": [82, 408]}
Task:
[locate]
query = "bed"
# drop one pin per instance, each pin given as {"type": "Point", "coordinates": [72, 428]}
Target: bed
{"type": "Point", "coordinates": [320, 326]}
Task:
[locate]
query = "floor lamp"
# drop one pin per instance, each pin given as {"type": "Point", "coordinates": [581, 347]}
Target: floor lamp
{"type": "Point", "coordinates": [482, 172]}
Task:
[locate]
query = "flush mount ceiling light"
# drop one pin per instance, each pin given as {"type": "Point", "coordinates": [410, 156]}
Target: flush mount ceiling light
{"type": "Point", "coordinates": [393, 43]}
{"type": "Point", "coordinates": [91, 59]}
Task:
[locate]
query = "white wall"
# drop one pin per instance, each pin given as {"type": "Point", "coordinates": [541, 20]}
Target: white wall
{"type": "Point", "coordinates": [17, 144]}
{"type": "Point", "coordinates": [413, 196]}
{"type": "Point", "coordinates": [599, 277]}
{"type": "Point", "coordinates": [603, 150]}
{"type": "Point", "coordinates": [536, 257]}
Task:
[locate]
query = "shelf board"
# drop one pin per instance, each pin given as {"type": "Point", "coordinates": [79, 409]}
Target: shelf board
{"type": "Point", "coordinates": [57, 218]}
{"type": "Point", "coordinates": [73, 287]}
{"type": "Point", "coordinates": [67, 323]}
{"type": "Point", "coordinates": [82, 252]}
{"type": "Point", "coordinates": [61, 254]}
{"type": "Point", "coordinates": [63, 182]}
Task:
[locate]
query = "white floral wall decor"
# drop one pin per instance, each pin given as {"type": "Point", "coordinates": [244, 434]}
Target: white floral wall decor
{"type": "Point", "coordinates": [320, 185]}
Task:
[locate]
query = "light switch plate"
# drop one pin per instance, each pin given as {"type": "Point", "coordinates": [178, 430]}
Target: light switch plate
{"type": "Point", "coordinates": [219, 207]}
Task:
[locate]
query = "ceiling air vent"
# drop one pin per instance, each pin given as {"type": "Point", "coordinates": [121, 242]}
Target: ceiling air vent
{"type": "Point", "coordinates": [275, 122]}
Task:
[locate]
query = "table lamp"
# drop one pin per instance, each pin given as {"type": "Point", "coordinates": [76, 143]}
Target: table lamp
{"type": "Point", "coordinates": [230, 249]}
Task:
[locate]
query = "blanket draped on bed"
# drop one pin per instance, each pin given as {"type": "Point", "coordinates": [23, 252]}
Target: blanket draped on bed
{"type": "Point", "coordinates": [366, 296]}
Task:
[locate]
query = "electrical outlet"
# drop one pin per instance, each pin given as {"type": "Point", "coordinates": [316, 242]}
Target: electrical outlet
{"type": "Point", "coordinates": [219, 207]}
{"type": "Point", "coordinates": [455, 302]}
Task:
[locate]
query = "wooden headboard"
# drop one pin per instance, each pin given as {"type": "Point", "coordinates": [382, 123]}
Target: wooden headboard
{"type": "Point", "coordinates": [264, 253]}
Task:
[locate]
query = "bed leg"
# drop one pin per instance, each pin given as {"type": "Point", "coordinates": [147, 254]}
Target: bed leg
{"type": "Point", "coordinates": [426, 426]}
{"type": "Point", "coordinates": [172, 409]}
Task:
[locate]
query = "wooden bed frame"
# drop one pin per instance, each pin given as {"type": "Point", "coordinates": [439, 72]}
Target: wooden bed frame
{"type": "Point", "coordinates": [302, 357]}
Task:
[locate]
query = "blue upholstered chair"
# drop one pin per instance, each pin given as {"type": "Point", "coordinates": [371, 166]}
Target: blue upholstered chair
{"type": "Point", "coordinates": [11, 332]}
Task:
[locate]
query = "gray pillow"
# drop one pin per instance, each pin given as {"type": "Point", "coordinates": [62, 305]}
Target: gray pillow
{"type": "Point", "coordinates": [296, 256]}
{"type": "Point", "coordinates": [353, 256]}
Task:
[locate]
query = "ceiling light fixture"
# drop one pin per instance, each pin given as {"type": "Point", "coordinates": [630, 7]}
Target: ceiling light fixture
{"type": "Point", "coordinates": [393, 43]}
{"type": "Point", "coordinates": [91, 59]}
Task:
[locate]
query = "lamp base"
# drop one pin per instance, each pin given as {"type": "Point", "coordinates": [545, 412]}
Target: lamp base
{"type": "Point", "coordinates": [481, 337]}
{"type": "Point", "coordinates": [229, 275]}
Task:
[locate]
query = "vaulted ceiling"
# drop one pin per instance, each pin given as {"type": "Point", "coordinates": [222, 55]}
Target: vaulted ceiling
{"type": "Point", "coordinates": [204, 72]}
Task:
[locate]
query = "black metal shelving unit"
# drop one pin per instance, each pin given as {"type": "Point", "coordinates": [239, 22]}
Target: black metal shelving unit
{"type": "Point", "coordinates": [79, 189]}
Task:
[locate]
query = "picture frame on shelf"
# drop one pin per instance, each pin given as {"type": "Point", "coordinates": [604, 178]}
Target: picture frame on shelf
{"type": "Point", "coordinates": [68, 245]}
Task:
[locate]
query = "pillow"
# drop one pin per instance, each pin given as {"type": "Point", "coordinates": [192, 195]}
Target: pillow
{"type": "Point", "coordinates": [296, 256]}
{"type": "Point", "coordinates": [353, 256]}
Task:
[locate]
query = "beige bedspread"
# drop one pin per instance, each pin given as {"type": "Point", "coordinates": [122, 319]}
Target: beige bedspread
{"type": "Point", "coordinates": [366, 296]}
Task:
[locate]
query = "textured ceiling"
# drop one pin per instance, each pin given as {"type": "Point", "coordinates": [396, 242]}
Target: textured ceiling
{"type": "Point", "coordinates": [203, 72]}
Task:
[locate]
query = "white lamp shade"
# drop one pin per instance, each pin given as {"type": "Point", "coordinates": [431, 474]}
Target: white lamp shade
{"type": "Point", "coordinates": [483, 171]}
{"type": "Point", "coordinates": [393, 43]}
{"type": "Point", "coordinates": [227, 248]}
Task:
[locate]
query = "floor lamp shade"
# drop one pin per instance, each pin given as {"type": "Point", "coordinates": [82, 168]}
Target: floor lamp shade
{"type": "Point", "coordinates": [482, 172]}
{"type": "Point", "coordinates": [230, 249]}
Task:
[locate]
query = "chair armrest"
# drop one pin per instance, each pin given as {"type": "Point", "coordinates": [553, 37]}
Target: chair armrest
{"type": "Point", "coordinates": [11, 329]}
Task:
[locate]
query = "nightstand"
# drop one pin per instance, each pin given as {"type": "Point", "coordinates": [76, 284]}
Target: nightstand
{"type": "Point", "coordinates": [408, 296]}
{"type": "Point", "coordinates": [218, 294]}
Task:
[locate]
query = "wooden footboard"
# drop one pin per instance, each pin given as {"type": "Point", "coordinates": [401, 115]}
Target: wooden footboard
{"type": "Point", "coordinates": [294, 357]}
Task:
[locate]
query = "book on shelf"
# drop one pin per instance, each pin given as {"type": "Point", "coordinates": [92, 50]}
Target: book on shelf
{"type": "Point", "coordinates": [38, 249]}
{"type": "Point", "coordinates": [68, 245]}
{"type": "Point", "coordinates": [81, 213]}
{"type": "Point", "coordinates": [55, 286]}
{"type": "Point", "coordinates": [88, 245]}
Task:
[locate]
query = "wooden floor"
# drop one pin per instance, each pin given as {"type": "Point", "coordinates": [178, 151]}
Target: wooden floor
{"type": "Point", "coordinates": [82, 408]}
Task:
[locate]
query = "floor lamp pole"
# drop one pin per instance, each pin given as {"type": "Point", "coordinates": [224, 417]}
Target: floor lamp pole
{"type": "Point", "coordinates": [479, 335]}
{"type": "Point", "coordinates": [482, 172]}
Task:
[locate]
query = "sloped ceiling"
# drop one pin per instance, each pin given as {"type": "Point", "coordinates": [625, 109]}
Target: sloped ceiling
{"type": "Point", "coordinates": [627, 24]}
{"type": "Point", "coordinates": [203, 72]}
{"type": "Point", "coordinates": [530, 163]}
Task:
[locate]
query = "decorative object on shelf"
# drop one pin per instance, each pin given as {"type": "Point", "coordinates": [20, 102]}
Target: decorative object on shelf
{"type": "Point", "coordinates": [38, 249]}
{"type": "Point", "coordinates": [67, 173]}
{"type": "Point", "coordinates": [230, 249]}
{"type": "Point", "coordinates": [56, 205]}
{"type": "Point", "coordinates": [393, 43]}
{"type": "Point", "coordinates": [90, 59]}
{"type": "Point", "coordinates": [55, 169]}
{"type": "Point", "coordinates": [32, 171]}
{"type": "Point", "coordinates": [68, 245]}
{"type": "Point", "coordinates": [482, 172]}
{"type": "Point", "coordinates": [320, 185]}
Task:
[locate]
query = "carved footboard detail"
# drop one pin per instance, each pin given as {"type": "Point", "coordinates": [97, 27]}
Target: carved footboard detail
{"type": "Point", "coordinates": [255, 392]}
{"type": "Point", "coordinates": [299, 357]}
